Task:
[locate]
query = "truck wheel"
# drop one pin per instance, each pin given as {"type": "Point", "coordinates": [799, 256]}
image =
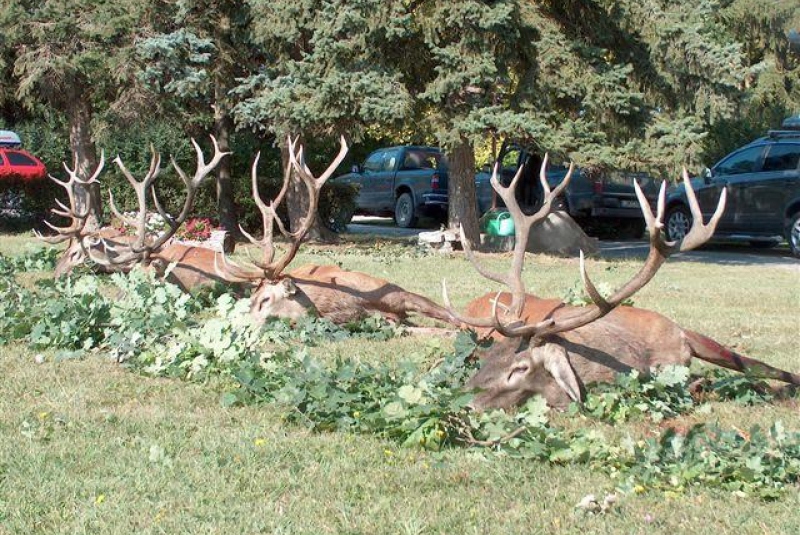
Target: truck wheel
{"type": "Point", "coordinates": [793, 235]}
{"type": "Point", "coordinates": [404, 214]}
{"type": "Point", "coordinates": [678, 222]}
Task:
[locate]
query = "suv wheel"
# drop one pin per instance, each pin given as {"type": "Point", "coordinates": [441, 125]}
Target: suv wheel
{"type": "Point", "coordinates": [404, 214]}
{"type": "Point", "coordinates": [793, 235]}
{"type": "Point", "coordinates": [678, 222]}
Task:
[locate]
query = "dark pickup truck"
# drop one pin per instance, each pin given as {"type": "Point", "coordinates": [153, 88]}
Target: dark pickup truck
{"type": "Point", "coordinates": [603, 205]}
{"type": "Point", "coordinates": [405, 182]}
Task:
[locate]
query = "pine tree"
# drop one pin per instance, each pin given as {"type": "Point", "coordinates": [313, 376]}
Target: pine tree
{"type": "Point", "coordinates": [326, 72]}
{"type": "Point", "coordinates": [72, 56]}
{"type": "Point", "coordinates": [201, 49]}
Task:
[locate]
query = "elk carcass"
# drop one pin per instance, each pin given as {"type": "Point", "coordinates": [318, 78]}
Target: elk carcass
{"type": "Point", "coordinates": [110, 250]}
{"type": "Point", "coordinates": [552, 349]}
{"type": "Point", "coordinates": [328, 291]}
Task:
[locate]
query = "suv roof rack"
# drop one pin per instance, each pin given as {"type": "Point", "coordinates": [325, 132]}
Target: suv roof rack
{"type": "Point", "coordinates": [775, 134]}
{"type": "Point", "coordinates": [9, 139]}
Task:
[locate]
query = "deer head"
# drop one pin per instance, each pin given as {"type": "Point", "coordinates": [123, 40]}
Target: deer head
{"type": "Point", "coordinates": [540, 361]}
{"type": "Point", "coordinates": [275, 294]}
{"type": "Point", "coordinates": [515, 373]}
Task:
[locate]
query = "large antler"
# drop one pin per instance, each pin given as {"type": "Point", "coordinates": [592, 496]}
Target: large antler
{"type": "Point", "coordinates": [143, 247]}
{"type": "Point", "coordinates": [269, 268]}
{"type": "Point", "coordinates": [523, 224]}
{"type": "Point", "coordinates": [660, 250]}
{"type": "Point", "coordinates": [77, 218]}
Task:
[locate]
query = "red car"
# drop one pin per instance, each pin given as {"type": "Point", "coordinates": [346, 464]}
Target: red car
{"type": "Point", "coordinates": [16, 162]}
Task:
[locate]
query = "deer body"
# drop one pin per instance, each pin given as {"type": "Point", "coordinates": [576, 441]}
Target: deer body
{"type": "Point", "coordinates": [626, 339]}
{"type": "Point", "coordinates": [550, 348]}
{"type": "Point", "coordinates": [194, 266]}
{"type": "Point", "coordinates": [339, 295]}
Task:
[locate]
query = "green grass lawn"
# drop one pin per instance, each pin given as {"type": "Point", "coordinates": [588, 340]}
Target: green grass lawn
{"type": "Point", "coordinates": [88, 447]}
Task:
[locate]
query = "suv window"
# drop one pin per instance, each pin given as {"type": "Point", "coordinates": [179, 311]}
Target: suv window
{"type": "Point", "coordinates": [17, 158]}
{"type": "Point", "coordinates": [745, 161]}
{"type": "Point", "coordinates": [373, 163]}
{"type": "Point", "coordinates": [783, 157]}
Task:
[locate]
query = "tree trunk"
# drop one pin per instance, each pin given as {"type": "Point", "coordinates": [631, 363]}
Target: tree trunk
{"type": "Point", "coordinates": [84, 155]}
{"type": "Point", "coordinates": [223, 125]}
{"type": "Point", "coordinates": [226, 207]}
{"type": "Point", "coordinates": [463, 209]}
{"type": "Point", "coordinates": [297, 205]}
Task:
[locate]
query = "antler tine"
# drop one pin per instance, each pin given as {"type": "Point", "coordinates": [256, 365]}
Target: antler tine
{"type": "Point", "coordinates": [73, 173]}
{"type": "Point", "coordinates": [65, 211]}
{"type": "Point", "coordinates": [117, 212]}
{"type": "Point", "coordinates": [66, 233]}
{"type": "Point", "coordinates": [700, 233]}
{"type": "Point", "coordinates": [496, 277]}
{"type": "Point", "coordinates": [62, 183]}
{"type": "Point", "coordinates": [99, 169]}
{"type": "Point", "coordinates": [52, 240]}
{"type": "Point", "coordinates": [468, 320]}
{"type": "Point", "coordinates": [343, 148]}
{"type": "Point", "coordinates": [161, 211]}
{"type": "Point", "coordinates": [232, 272]}
{"type": "Point", "coordinates": [204, 169]}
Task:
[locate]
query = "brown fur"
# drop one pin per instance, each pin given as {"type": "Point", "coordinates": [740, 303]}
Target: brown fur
{"type": "Point", "coordinates": [195, 265]}
{"type": "Point", "coordinates": [341, 296]}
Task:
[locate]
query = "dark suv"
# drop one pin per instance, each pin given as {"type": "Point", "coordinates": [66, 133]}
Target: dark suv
{"type": "Point", "coordinates": [763, 183]}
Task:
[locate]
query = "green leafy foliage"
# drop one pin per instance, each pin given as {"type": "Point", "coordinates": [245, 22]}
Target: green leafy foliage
{"type": "Point", "coordinates": [73, 318]}
{"type": "Point", "coordinates": [749, 463]}
{"type": "Point", "coordinates": [664, 395]}
{"type": "Point", "coordinates": [740, 388]}
{"type": "Point", "coordinates": [144, 310]}
{"type": "Point", "coordinates": [37, 258]}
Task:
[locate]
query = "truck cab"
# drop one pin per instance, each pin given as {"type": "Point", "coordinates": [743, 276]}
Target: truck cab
{"type": "Point", "coordinates": [404, 181]}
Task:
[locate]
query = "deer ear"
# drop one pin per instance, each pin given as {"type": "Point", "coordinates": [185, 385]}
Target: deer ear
{"type": "Point", "coordinates": [289, 286]}
{"type": "Point", "coordinates": [554, 359]}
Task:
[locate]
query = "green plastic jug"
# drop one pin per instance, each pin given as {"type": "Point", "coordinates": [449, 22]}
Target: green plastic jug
{"type": "Point", "coordinates": [499, 224]}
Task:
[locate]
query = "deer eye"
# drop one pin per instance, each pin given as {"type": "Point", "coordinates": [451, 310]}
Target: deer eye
{"type": "Point", "coordinates": [263, 302]}
{"type": "Point", "coordinates": [519, 369]}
